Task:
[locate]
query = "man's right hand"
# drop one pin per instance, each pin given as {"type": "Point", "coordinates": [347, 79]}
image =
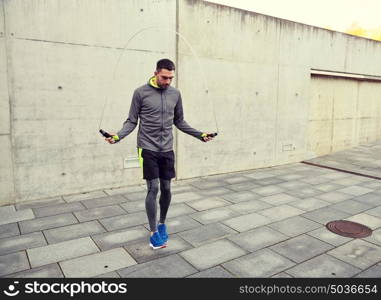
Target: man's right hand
{"type": "Point", "coordinates": [111, 140]}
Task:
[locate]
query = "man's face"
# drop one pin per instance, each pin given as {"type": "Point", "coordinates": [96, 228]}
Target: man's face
{"type": "Point", "coordinates": [164, 78]}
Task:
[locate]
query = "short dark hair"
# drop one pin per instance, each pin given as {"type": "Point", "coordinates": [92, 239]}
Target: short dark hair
{"type": "Point", "coordinates": [165, 63]}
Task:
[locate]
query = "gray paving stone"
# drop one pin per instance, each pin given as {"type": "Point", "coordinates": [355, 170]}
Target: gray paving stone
{"type": "Point", "coordinates": [134, 206]}
{"type": "Point", "coordinates": [178, 189]}
{"type": "Point", "coordinates": [241, 196]}
{"type": "Point", "coordinates": [61, 251]}
{"type": "Point", "coordinates": [372, 272]}
{"type": "Point", "coordinates": [237, 179]}
{"type": "Point", "coordinates": [215, 272]}
{"type": "Point", "coordinates": [336, 175]}
{"type": "Point", "coordinates": [207, 203]}
{"type": "Point", "coordinates": [334, 197]}
{"type": "Point", "coordinates": [99, 212]}
{"type": "Point", "coordinates": [104, 201]}
{"type": "Point", "coordinates": [304, 192]}
{"type": "Point", "coordinates": [48, 271]}
{"type": "Point", "coordinates": [8, 230]}
{"type": "Point", "coordinates": [281, 212]}
{"type": "Point", "coordinates": [214, 215]}
{"type": "Point", "coordinates": [165, 267]}
{"type": "Point", "coordinates": [314, 180]}
{"type": "Point", "coordinates": [206, 233]}
{"type": "Point", "coordinates": [212, 254]}
{"type": "Point", "coordinates": [377, 191]}
{"type": "Point", "coordinates": [373, 184]}
{"type": "Point", "coordinates": [290, 177]}
{"type": "Point", "coordinates": [47, 223]}
{"type": "Point", "coordinates": [184, 197]}
{"type": "Point", "coordinates": [249, 206]}
{"type": "Point", "coordinates": [295, 226]}
{"type": "Point", "coordinates": [39, 203]}
{"type": "Point", "coordinates": [114, 239]}
{"type": "Point", "coordinates": [243, 186]}
{"type": "Point", "coordinates": [124, 221]}
{"type": "Point", "coordinates": [358, 253]}
{"type": "Point", "coordinates": [355, 190]}
{"type": "Point", "coordinates": [13, 262]}
{"type": "Point", "coordinates": [349, 181]}
{"type": "Point", "coordinates": [179, 210]}
{"type": "Point", "coordinates": [294, 185]}
{"type": "Point", "coordinates": [269, 181]}
{"type": "Point", "coordinates": [367, 220]}
{"type": "Point", "coordinates": [279, 199]}
{"type": "Point", "coordinates": [372, 199]}
{"type": "Point", "coordinates": [84, 196]}
{"type": "Point", "coordinates": [247, 222]}
{"type": "Point", "coordinates": [179, 224]}
{"type": "Point", "coordinates": [282, 275]}
{"type": "Point", "coordinates": [71, 232]}
{"type": "Point", "coordinates": [301, 248]}
{"type": "Point", "coordinates": [375, 238]}
{"type": "Point", "coordinates": [309, 204]}
{"type": "Point", "coordinates": [16, 216]}
{"type": "Point", "coordinates": [323, 266]}
{"type": "Point", "coordinates": [328, 187]}
{"type": "Point", "coordinates": [376, 212]}
{"type": "Point", "coordinates": [21, 242]}
{"type": "Point", "coordinates": [268, 190]}
{"type": "Point", "coordinates": [351, 206]}
{"type": "Point", "coordinates": [136, 196]}
{"type": "Point", "coordinates": [262, 263]}
{"type": "Point", "coordinates": [108, 275]}
{"type": "Point", "coordinates": [142, 252]}
{"type": "Point", "coordinates": [260, 175]}
{"type": "Point", "coordinates": [207, 184]}
{"type": "Point", "coordinates": [214, 192]}
{"type": "Point", "coordinates": [329, 237]}
{"type": "Point", "coordinates": [97, 264]}
{"type": "Point", "coordinates": [325, 214]}
{"type": "Point", "coordinates": [57, 209]}
{"type": "Point", "coordinates": [258, 238]}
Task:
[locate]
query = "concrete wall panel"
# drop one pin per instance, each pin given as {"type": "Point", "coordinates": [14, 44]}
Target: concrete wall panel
{"type": "Point", "coordinates": [94, 23]}
{"type": "Point", "coordinates": [4, 95]}
{"type": "Point", "coordinates": [7, 195]}
{"type": "Point", "coordinates": [244, 107]}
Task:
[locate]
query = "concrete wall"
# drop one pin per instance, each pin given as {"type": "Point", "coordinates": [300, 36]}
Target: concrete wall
{"type": "Point", "coordinates": [67, 59]}
{"type": "Point", "coordinates": [64, 61]}
{"type": "Point", "coordinates": [343, 113]}
{"type": "Point", "coordinates": [6, 166]}
{"type": "Point", "coordinates": [258, 70]}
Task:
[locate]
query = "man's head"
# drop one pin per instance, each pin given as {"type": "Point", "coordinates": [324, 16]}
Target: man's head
{"type": "Point", "coordinates": [165, 71]}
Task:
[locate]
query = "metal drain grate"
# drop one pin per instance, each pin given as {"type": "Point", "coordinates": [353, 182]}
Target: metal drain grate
{"type": "Point", "coordinates": [349, 229]}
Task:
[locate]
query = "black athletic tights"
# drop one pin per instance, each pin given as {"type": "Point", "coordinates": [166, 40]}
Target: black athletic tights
{"type": "Point", "coordinates": [165, 200]}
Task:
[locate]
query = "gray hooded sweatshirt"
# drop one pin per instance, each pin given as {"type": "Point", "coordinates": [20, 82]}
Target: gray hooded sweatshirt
{"type": "Point", "coordinates": [158, 109]}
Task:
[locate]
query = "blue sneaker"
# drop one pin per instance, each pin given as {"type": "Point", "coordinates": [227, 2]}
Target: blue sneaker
{"type": "Point", "coordinates": [156, 241]}
{"type": "Point", "coordinates": [163, 232]}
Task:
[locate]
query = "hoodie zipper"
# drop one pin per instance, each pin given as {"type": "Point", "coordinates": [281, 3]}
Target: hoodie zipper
{"type": "Point", "coordinates": [162, 120]}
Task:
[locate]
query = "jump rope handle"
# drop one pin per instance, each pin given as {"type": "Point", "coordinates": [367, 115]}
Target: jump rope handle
{"type": "Point", "coordinates": [104, 133]}
{"type": "Point", "coordinates": [211, 134]}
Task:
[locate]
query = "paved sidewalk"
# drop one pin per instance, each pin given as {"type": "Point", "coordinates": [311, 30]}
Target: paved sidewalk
{"type": "Point", "coordinates": [261, 223]}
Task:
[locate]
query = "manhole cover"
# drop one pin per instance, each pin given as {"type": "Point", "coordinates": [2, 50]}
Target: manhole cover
{"type": "Point", "coordinates": [349, 229]}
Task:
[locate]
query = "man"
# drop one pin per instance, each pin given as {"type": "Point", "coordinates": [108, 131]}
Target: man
{"type": "Point", "coordinates": [158, 106]}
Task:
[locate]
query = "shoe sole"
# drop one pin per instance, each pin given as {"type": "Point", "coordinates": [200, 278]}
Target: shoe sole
{"type": "Point", "coordinates": [158, 247]}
